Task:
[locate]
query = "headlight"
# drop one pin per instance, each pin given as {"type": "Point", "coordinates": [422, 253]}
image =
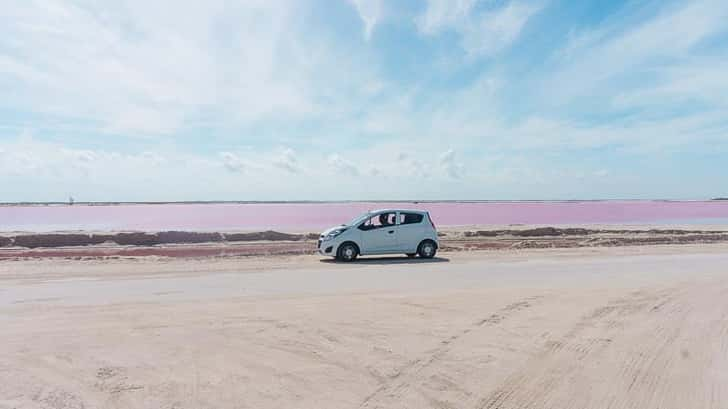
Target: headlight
{"type": "Point", "coordinates": [333, 234]}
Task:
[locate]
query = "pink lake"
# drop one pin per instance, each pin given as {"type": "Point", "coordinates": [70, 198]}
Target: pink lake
{"type": "Point", "coordinates": [316, 216]}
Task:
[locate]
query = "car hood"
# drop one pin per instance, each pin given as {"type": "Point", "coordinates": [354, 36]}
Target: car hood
{"type": "Point", "coordinates": [329, 230]}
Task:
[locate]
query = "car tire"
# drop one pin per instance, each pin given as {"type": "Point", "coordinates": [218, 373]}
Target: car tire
{"type": "Point", "coordinates": [427, 249]}
{"type": "Point", "coordinates": [347, 252]}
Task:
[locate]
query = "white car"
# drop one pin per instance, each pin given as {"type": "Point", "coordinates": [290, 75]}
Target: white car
{"type": "Point", "coordinates": [389, 231]}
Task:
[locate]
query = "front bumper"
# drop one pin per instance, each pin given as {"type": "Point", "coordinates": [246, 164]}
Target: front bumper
{"type": "Point", "coordinates": [327, 248]}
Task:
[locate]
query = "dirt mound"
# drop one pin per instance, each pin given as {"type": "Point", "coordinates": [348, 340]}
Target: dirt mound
{"type": "Point", "coordinates": [32, 241]}
{"type": "Point", "coordinates": [540, 231]}
{"type": "Point", "coordinates": [273, 242]}
{"type": "Point", "coordinates": [133, 239]}
{"type": "Point", "coordinates": [575, 231]}
{"type": "Point", "coordinates": [55, 240]}
{"type": "Point", "coordinates": [536, 232]}
{"type": "Point", "coordinates": [5, 241]}
{"type": "Point", "coordinates": [481, 233]}
{"type": "Point", "coordinates": [188, 237]}
{"type": "Point", "coordinates": [578, 231]}
{"type": "Point", "coordinates": [268, 235]}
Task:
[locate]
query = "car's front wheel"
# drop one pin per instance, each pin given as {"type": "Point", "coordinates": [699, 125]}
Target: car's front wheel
{"type": "Point", "coordinates": [347, 252]}
{"type": "Point", "coordinates": [427, 249]}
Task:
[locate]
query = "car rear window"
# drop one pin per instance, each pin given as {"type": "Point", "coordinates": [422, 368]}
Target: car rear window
{"type": "Point", "coordinates": [410, 218]}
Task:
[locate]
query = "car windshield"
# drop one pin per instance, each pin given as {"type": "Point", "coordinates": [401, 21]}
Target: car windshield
{"type": "Point", "coordinates": [359, 219]}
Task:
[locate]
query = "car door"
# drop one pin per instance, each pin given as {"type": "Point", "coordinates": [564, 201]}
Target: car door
{"type": "Point", "coordinates": [409, 233]}
{"type": "Point", "coordinates": [377, 237]}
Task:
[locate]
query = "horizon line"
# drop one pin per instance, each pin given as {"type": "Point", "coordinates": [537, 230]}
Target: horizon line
{"type": "Point", "coordinates": [415, 201]}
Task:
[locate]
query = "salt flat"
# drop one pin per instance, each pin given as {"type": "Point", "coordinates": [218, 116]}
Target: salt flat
{"type": "Point", "coordinates": [627, 327]}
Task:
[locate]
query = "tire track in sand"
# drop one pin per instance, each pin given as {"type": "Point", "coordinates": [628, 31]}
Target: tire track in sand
{"type": "Point", "coordinates": [406, 376]}
{"type": "Point", "coordinates": [558, 366]}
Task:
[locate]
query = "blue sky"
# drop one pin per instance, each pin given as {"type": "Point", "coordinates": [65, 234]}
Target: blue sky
{"type": "Point", "coordinates": [320, 100]}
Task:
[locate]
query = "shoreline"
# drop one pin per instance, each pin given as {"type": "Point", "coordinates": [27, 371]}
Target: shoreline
{"type": "Point", "coordinates": [413, 201]}
{"type": "Point", "coordinates": [192, 244]}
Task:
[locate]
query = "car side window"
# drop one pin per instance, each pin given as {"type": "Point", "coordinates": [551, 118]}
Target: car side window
{"type": "Point", "coordinates": [379, 221]}
{"type": "Point", "coordinates": [410, 218]}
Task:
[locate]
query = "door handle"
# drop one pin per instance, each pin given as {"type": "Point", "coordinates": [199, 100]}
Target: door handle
{"type": "Point", "coordinates": [391, 231]}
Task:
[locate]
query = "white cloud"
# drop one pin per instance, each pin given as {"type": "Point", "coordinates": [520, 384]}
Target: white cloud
{"type": "Point", "coordinates": [239, 70]}
{"type": "Point", "coordinates": [135, 68]}
{"type": "Point", "coordinates": [483, 33]}
{"type": "Point", "coordinates": [659, 80]}
{"type": "Point", "coordinates": [85, 156]}
{"type": "Point", "coordinates": [81, 160]}
{"type": "Point", "coordinates": [151, 158]}
{"type": "Point", "coordinates": [444, 14]}
{"type": "Point", "coordinates": [700, 80]}
{"type": "Point", "coordinates": [108, 175]}
{"type": "Point", "coordinates": [370, 12]}
{"type": "Point", "coordinates": [450, 165]}
{"type": "Point", "coordinates": [411, 166]}
{"type": "Point", "coordinates": [342, 165]}
{"type": "Point", "coordinates": [169, 175]}
{"type": "Point", "coordinates": [494, 31]}
{"type": "Point", "coordinates": [232, 162]}
{"type": "Point", "coordinates": [29, 158]}
{"type": "Point", "coordinates": [601, 173]}
{"type": "Point", "coordinates": [287, 161]}
{"type": "Point", "coordinates": [593, 60]}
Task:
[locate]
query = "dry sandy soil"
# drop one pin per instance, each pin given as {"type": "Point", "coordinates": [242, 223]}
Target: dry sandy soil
{"type": "Point", "coordinates": [622, 327]}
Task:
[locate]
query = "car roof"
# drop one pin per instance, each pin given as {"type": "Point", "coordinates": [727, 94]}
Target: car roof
{"type": "Point", "coordinates": [397, 210]}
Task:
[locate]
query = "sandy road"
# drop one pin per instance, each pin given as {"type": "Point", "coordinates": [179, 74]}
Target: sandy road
{"type": "Point", "coordinates": [600, 328]}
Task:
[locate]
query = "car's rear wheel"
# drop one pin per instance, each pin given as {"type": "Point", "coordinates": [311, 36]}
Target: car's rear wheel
{"type": "Point", "coordinates": [427, 249]}
{"type": "Point", "coordinates": [347, 252]}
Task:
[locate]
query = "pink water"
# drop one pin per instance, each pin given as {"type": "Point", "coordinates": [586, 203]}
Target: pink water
{"type": "Point", "coordinates": [316, 216]}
